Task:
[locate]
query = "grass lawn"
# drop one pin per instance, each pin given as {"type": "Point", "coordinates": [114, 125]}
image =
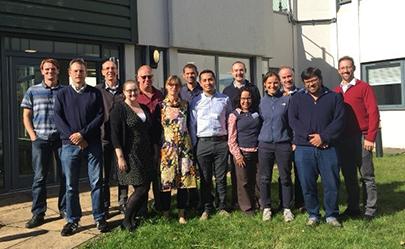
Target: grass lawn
{"type": "Point", "coordinates": [243, 232]}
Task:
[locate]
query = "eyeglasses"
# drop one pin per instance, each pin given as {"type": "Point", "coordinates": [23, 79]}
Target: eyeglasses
{"type": "Point", "coordinates": [173, 85]}
{"type": "Point", "coordinates": [146, 76]}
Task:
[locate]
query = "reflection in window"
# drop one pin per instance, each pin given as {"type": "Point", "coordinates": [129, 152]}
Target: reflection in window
{"type": "Point", "coordinates": [225, 70]}
{"type": "Point", "coordinates": [201, 61]}
{"type": "Point", "coordinates": [387, 80]}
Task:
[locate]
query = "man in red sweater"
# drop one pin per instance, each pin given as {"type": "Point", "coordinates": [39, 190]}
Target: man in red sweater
{"type": "Point", "coordinates": [357, 143]}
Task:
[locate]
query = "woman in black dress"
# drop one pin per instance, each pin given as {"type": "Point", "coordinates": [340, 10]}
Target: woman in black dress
{"type": "Point", "coordinates": [131, 137]}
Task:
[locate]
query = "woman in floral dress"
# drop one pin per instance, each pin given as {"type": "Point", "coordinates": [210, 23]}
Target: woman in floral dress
{"type": "Point", "coordinates": [177, 168]}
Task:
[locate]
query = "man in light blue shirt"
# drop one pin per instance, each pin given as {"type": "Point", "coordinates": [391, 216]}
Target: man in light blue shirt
{"type": "Point", "coordinates": [208, 128]}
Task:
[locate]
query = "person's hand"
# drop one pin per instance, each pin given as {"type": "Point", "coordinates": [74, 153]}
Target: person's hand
{"type": "Point", "coordinates": [76, 138]}
{"type": "Point", "coordinates": [293, 147]}
{"type": "Point", "coordinates": [122, 164]}
{"type": "Point", "coordinates": [315, 140]}
{"type": "Point", "coordinates": [33, 137]}
{"type": "Point", "coordinates": [240, 162]}
{"type": "Point", "coordinates": [368, 145]}
{"type": "Point", "coordinates": [83, 144]}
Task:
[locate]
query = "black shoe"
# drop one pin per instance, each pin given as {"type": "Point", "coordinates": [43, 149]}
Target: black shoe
{"type": "Point", "coordinates": [35, 221]}
{"type": "Point", "coordinates": [368, 217]}
{"type": "Point", "coordinates": [349, 213]}
{"type": "Point", "coordinates": [123, 208]}
{"type": "Point", "coordinates": [69, 228]}
{"type": "Point", "coordinates": [102, 226]}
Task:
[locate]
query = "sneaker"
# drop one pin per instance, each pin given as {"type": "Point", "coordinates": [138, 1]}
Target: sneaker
{"type": "Point", "coordinates": [69, 228]}
{"type": "Point", "coordinates": [205, 215]}
{"type": "Point", "coordinates": [266, 214]}
{"type": "Point", "coordinates": [35, 221]}
{"type": "Point", "coordinates": [102, 226]}
{"type": "Point", "coordinates": [288, 215]}
{"type": "Point", "coordinates": [223, 213]}
{"type": "Point", "coordinates": [312, 222]}
{"type": "Point", "coordinates": [182, 220]}
{"type": "Point", "coordinates": [333, 222]}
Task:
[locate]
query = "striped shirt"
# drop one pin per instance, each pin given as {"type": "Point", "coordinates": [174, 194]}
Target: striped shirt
{"type": "Point", "coordinates": [40, 99]}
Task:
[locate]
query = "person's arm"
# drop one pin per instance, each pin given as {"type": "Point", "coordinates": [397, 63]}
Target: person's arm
{"type": "Point", "coordinates": [335, 127]}
{"type": "Point", "coordinates": [294, 121]}
{"type": "Point", "coordinates": [27, 121]}
{"type": "Point", "coordinates": [60, 119]}
{"type": "Point", "coordinates": [370, 102]}
{"type": "Point", "coordinates": [233, 141]}
{"type": "Point", "coordinates": [96, 122]}
{"type": "Point", "coordinates": [121, 162]}
{"type": "Point", "coordinates": [193, 123]}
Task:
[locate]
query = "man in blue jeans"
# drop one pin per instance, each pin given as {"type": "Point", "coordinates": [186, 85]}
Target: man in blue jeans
{"type": "Point", "coordinates": [316, 116]}
{"type": "Point", "coordinates": [38, 107]}
{"type": "Point", "coordinates": [78, 117]}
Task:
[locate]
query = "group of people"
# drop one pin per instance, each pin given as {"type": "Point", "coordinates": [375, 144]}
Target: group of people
{"type": "Point", "coordinates": [193, 132]}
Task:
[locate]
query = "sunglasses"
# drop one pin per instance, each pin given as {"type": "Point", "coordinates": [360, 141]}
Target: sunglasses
{"type": "Point", "coordinates": [146, 76]}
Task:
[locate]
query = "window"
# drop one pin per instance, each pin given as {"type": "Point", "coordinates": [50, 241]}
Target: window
{"type": "Point", "coordinates": [387, 79]}
{"type": "Point", "coordinates": [280, 5]}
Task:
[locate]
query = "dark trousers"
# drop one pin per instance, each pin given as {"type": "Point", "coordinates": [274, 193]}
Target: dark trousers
{"type": "Point", "coordinates": [234, 182]}
{"type": "Point", "coordinates": [246, 182]}
{"type": "Point", "coordinates": [312, 162]}
{"type": "Point", "coordinates": [298, 197]}
{"type": "Point", "coordinates": [42, 151]}
{"type": "Point", "coordinates": [109, 168]}
{"type": "Point", "coordinates": [352, 156]}
{"type": "Point", "coordinates": [268, 154]}
{"type": "Point", "coordinates": [166, 198]}
{"type": "Point", "coordinates": [212, 156]}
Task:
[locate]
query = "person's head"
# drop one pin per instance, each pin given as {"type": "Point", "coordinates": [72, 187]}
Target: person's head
{"type": "Point", "coordinates": [130, 89]}
{"type": "Point", "coordinates": [145, 78]}
{"type": "Point", "coordinates": [207, 81]}
{"type": "Point", "coordinates": [238, 71]}
{"type": "Point", "coordinates": [346, 68]}
{"type": "Point", "coordinates": [286, 75]}
{"type": "Point", "coordinates": [190, 73]}
{"type": "Point", "coordinates": [173, 85]}
{"type": "Point", "coordinates": [110, 71]}
{"type": "Point", "coordinates": [312, 78]}
{"type": "Point", "coordinates": [244, 100]}
{"type": "Point", "coordinates": [78, 71]}
{"type": "Point", "coordinates": [271, 83]}
{"type": "Point", "coordinates": [49, 70]}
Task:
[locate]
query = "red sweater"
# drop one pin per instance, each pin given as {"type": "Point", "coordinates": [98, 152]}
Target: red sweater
{"type": "Point", "coordinates": [361, 110]}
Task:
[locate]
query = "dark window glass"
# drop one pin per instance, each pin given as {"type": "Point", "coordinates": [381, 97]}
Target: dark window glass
{"type": "Point", "coordinates": [388, 94]}
{"type": "Point", "coordinates": [41, 46]}
{"type": "Point", "coordinates": [65, 48]}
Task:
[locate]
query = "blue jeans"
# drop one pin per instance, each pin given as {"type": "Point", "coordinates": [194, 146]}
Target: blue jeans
{"type": "Point", "coordinates": [71, 162]}
{"type": "Point", "coordinates": [312, 162]}
{"type": "Point", "coordinates": [42, 151]}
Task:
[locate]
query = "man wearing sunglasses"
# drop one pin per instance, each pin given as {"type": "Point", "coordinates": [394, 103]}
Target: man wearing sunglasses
{"type": "Point", "coordinates": [151, 97]}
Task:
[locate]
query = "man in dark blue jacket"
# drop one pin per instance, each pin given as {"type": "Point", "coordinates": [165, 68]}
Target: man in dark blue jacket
{"type": "Point", "coordinates": [316, 116]}
{"type": "Point", "coordinates": [78, 117]}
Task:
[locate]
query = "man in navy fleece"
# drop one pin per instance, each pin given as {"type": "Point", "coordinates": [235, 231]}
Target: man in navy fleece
{"type": "Point", "coordinates": [316, 116]}
{"type": "Point", "coordinates": [78, 117]}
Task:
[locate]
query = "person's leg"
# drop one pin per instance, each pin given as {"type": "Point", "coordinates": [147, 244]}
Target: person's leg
{"type": "Point", "coordinates": [234, 182]}
{"type": "Point", "coordinates": [349, 156]}
{"type": "Point", "coordinates": [57, 150]}
{"type": "Point", "coordinates": [306, 160]}
{"type": "Point", "coordinates": [108, 154]}
{"type": "Point", "coordinates": [205, 161]}
{"type": "Point", "coordinates": [40, 164]}
{"type": "Point", "coordinates": [165, 200]}
{"type": "Point", "coordinates": [94, 166]}
{"type": "Point", "coordinates": [220, 169]}
{"type": "Point", "coordinates": [134, 203]}
{"type": "Point", "coordinates": [266, 161]}
{"type": "Point", "coordinates": [71, 162]}
{"type": "Point", "coordinates": [369, 184]}
{"type": "Point", "coordinates": [283, 158]}
{"type": "Point", "coordinates": [329, 171]}
{"type": "Point", "coordinates": [246, 179]}
{"type": "Point", "coordinates": [298, 197]}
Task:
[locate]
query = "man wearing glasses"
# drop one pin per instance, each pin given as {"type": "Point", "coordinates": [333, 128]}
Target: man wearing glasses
{"type": "Point", "coordinates": [152, 98]}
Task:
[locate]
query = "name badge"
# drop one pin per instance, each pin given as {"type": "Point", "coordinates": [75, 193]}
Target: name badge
{"type": "Point", "coordinates": [255, 115]}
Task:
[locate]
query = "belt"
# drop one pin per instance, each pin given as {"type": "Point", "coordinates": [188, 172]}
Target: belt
{"type": "Point", "coordinates": [214, 138]}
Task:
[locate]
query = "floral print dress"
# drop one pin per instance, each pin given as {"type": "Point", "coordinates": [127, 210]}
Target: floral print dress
{"type": "Point", "coordinates": [177, 168]}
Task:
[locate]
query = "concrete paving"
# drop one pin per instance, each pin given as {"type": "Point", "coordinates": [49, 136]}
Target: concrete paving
{"type": "Point", "coordinates": [15, 211]}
